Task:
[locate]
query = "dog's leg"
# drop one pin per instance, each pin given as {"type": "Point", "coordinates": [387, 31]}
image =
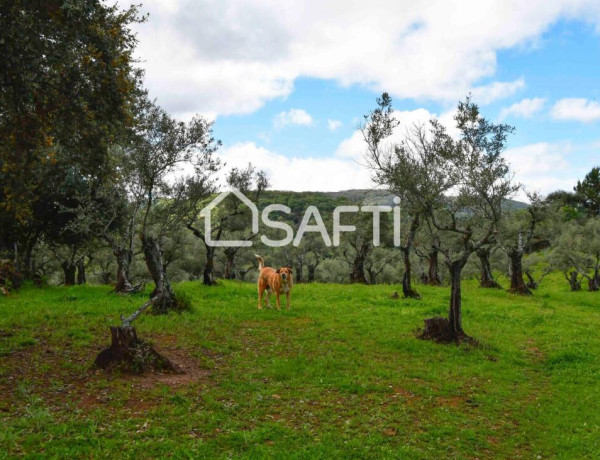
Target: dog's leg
{"type": "Point", "coordinates": [287, 299]}
{"type": "Point", "coordinates": [278, 301]}
{"type": "Point", "coordinates": [267, 298]}
{"type": "Point", "coordinates": [260, 294]}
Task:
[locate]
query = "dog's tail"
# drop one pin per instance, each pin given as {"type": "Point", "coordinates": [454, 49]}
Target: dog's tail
{"type": "Point", "coordinates": [261, 261]}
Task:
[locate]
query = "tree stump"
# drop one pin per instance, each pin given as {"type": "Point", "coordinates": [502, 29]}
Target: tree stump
{"type": "Point", "coordinates": [489, 284]}
{"type": "Point", "coordinates": [438, 329]}
{"type": "Point", "coordinates": [435, 327]}
{"type": "Point", "coordinates": [130, 354]}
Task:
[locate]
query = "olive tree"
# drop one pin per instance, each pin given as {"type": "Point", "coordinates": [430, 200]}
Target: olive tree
{"type": "Point", "coordinates": [522, 232]}
{"type": "Point", "coordinates": [162, 147]}
{"type": "Point", "coordinates": [377, 128]}
{"type": "Point", "coordinates": [230, 218]}
{"type": "Point", "coordinates": [577, 253]}
{"type": "Point", "coordinates": [456, 185]}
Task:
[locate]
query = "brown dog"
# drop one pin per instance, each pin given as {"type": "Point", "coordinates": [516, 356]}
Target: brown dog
{"type": "Point", "coordinates": [278, 281]}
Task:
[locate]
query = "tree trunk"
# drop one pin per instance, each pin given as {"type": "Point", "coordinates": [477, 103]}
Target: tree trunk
{"type": "Point", "coordinates": [455, 313]}
{"type": "Point", "coordinates": [371, 276]}
{"type": "Point", "coordinates": [105, 277]}
{"type": "Point", "coordinates": [69, 269]}
{"type": "Point", "coordinates": [433, 273]}
{"type": "Point", "coordinates": [28, 268]}
{"type": "Point", "coordinates": [124, 257]}
{"type": "Point", "coordinates": [81, 271]}
{"type": "Point", "coordinates": [311, 273]}
{"type": "Point", "coordinates": [594, 282]}
{"type": "Point", "coordinates": [229, 272]}
{"type": "Point", "coordinates": [446, 330]}
{"type": "Point", "coordinates": [208, 277]}
{"type": "Point", "coordinates": [298, 276]}
{"type": "Point", "coordinates": [574, 281]}
{"type": "Point", "coordinates": [407, 289]}
{"type": "Point", "coordinates": [165, 298]}
{"type": "Point", "coordinates": [357, 275]}
{"type": "Point", "coordinates": [517, 284]}
{"type": "Point", "coordinates": [487, 279]}
{"type": "Point", "coordinates": [531, 282]}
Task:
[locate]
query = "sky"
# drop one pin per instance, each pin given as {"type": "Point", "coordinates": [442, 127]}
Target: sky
{"type": "Point", "coordinates": [288, 82]}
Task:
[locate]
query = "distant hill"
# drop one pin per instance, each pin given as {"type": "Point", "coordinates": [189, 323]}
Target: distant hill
{"type": "Point", "coordinates": [367, 196]}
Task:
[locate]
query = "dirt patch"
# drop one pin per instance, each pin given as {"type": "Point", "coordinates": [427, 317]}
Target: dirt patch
{"type": "Point", "coordinates": [191, 371]}
{"type": "Point", "coordinates": [534, 352]}
{"type": "Point", "coordinates": [62, 377]}
{"type": "Point", "coordinates": [409, 396]}
{"type": "Point", "coordinates": [450, 401]}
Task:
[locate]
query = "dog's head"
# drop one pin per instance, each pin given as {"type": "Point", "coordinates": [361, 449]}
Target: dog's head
{"type": "Point", "coordinates": [285, 273]}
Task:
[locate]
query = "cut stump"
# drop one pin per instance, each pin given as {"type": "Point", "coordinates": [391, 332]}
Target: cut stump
{"type": "Point", "coordinates": [132, 355]}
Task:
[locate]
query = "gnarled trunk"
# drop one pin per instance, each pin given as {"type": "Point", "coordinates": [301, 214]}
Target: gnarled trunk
{"type": "Point", "coordinates": [69, 268]}
{"type": "Point", "coordinates": [531, 282]}
{"type": "Point", "coordinates": [163, 294]}
{"type": "Point", "coordinates": [208, 275]}
{"type": "Point", "coordinates": [487, 279]}
{"type": "Point", "coordinates": [81, 271]}
{"type": "Point", "coordinates": [124, 257]}
{"type": "Point", "coordinates": [574, 280]}
{"type": "Point", "coordinates": [517, 284]}
{"type": "Point", "coordinates": [311, 273]}
{"type": "Point", "coordinates": [28, 269]}
{"type": "Point", "coordinates": [357, 275]}
{"type": "Point", "coordinates": [407, 289]}
{"type": "Point", "coordinates": [433, 272]}
{"type": "Point", "coordinates": [372, 275]}
{"type": "Point", "coordinates": [299, 275]}
{"type": "Point", "coordinates": [594, 281]}
{"type": "Point", "coordinates": [229, 272]}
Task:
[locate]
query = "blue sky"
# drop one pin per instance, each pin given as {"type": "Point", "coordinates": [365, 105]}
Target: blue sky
{"type": "Point", "coordinates": [287, 87]}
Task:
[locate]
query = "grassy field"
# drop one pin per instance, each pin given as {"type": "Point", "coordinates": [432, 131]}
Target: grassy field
{"type": "Point", "coordinates": [340, 375]}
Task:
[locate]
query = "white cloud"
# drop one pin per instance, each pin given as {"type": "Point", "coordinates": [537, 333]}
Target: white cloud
{"type": "Point", "coordinates": [293, 117]}
{"type": "Point", "coordinates": [497, 90]}
{"type": "Point", "coordinates": [231, 56]}
{"type": "Point", "coordinates": [333, 124]}
{"type": "Point", "coordinates": [526, 108]}
{"type": "Point", "coordinates": [298, 174]}
{"type": "Point", "coordinates": [578, 109]}
{"type": "Point", "coordinates": [543, 167]}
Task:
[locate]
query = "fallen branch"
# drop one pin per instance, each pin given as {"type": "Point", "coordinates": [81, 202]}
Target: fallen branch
{"type": "Point", "coordinates": [125, 322]}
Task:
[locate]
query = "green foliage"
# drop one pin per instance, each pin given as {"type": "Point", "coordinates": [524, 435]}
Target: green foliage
{"type": "Point", "coordinates": [577, 248]}
{"type": "Point", "coordinates": [588, 190]}
{"type": "Point", "coordinates": [67, 80]}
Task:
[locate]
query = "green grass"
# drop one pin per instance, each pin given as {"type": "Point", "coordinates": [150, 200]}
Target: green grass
{"type": "Point", "coordinates": [340, 375]}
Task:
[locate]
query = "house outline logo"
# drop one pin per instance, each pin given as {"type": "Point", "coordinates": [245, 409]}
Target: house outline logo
{"type": "Point", "coordinates": [207, 211]}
